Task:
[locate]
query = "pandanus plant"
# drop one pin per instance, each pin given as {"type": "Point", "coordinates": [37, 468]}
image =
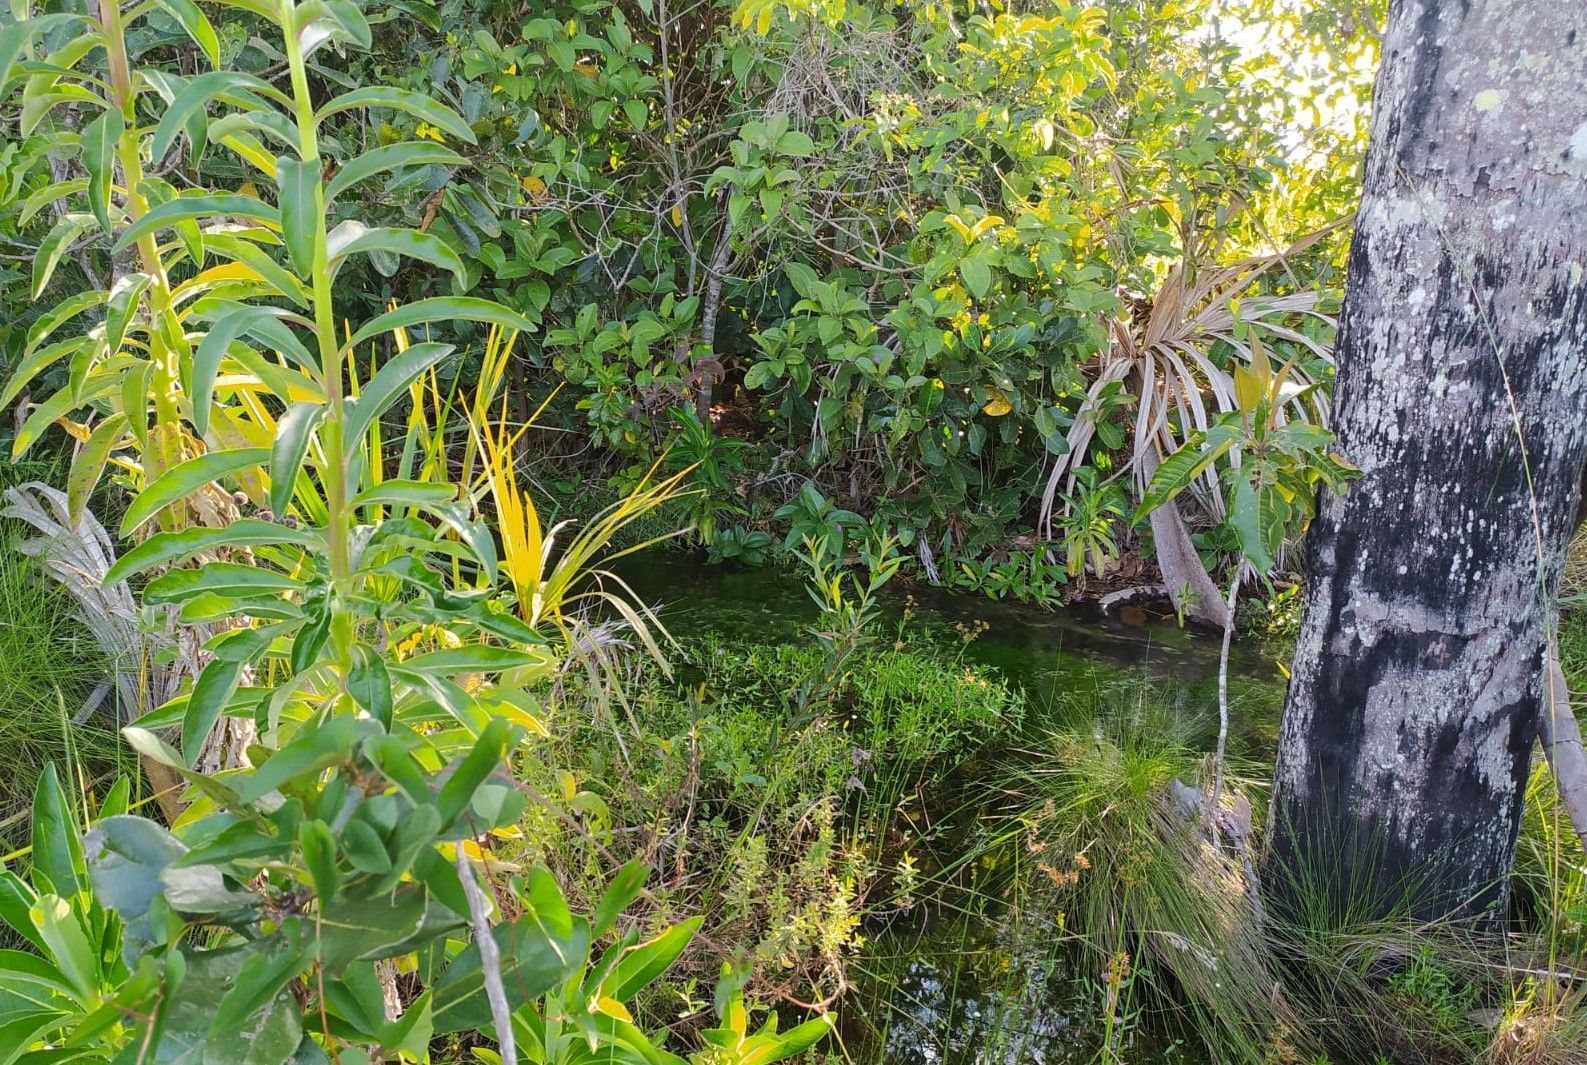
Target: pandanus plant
{"type": "Point", "coordinates": [1167, 361]}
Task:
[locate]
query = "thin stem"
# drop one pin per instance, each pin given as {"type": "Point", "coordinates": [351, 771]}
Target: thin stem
{"type": "Point", "coordinates": [335, 473]}
{"type": "Point", "coordinates": [163, 357]}
{"type": "Point", "coordinates": [1223, 699]}
{"type": "Point", "coordinates": [489, 958]}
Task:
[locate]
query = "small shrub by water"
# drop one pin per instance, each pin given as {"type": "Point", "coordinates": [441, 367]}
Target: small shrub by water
{"type": "Point", "coordinates": [785, 832]}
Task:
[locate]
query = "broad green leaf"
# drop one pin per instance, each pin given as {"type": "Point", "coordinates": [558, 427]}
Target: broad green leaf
{"type": "Point", "coordinates": [364, 848]}
{"type": "Point", "coordinates": [207, 358]}
{"type": "Point", "coordinates": [181, 481]}
{"type": "Point", "coordinates": [57, 853]}
{"type": "Point", "coordinates": [52, 410]}
{"type": "Point", "coordinates": [370, 685]}
{"type": "Point", "coordinates": [48, 196]}
{"type": "Point", "coordinates": [622, 891]}
{"type": "Point", "coordinates": [416, 104]}
{"type": "Point", "coordinates": [795, 143]}
{"type": "Point", "coordinates": [196, 25]}
{"type": "Point", "coordinates": [351, 238]}
{"type": "Point", "coordinates": [229, 322]}
{"type": "Point", "coordinates": [388, 158]}
{"type": "Point", "coordinates": [354, 929]}
{"type": "Point", "coordinates": [24, 1030]}
{"type": "Point", "coordinates": [319, 21]}
{"type": "Point", "coordinates": [390, 382]}
{"type": "Point", "coordinates": [531, 964]}
{"type": "Point", "coordinates": [37, 107]}
{"type": "Point", "coordinates": [319, 857]}
{"type": "Point", "coordinates": [311, 751]}
{"type": "Point", "coordinates": [273, 331]}
{"type": "Point", "coordinates": [211, 692]}
{"type": "Point", "coordinates": [299, 181]}
{"type": "Point", "coordinates": [223, 578]}
{"type": "Point", "coordinates": [121, 307]}
{"type": "Point", "coordinates": [442, 309]}
{"type": "Point", "coordinates": [269, 1036]}
{"type": "Point", "coordinates": [56, 243]}
{"type": "Point", "coordinates": [475, 534]}
{"type": "Point", "coordinates": [977, 275]}
{"type": "Point", "coordinates": [261, 979]}
{"type": "Point", "coordinates": [306, 645]}
{"type": "Point", "coordinates": [16, 898]}
{"type": "Point", "coordinates": [62, 932]}
{"type": "Point", "coordinates": [781, 1046]}
{"type": "Point", "coordinates": [1179, 470]}
{"type": "Point", "coordinates": [473, 658]}
{"type": "Point", "coordinates": [242, 840]}
{"type": "Point", "coordinates": [415, 837]}
{"type": "Point", "coordinates": [99, 159]}
{"type": "Point", "coordinates": [266, 10]}
{"type": "Point", "coordinates": [41, 359]}
{"type": "Point", "coordinates": [15, 36]}
{"type": "Point", "coordinates": [197, 207]}
{"type": "Point", "coordinates": [1245, 514]}
{"type": "Point", "coordinates": [21, 971]}
{"type": "Point", "coordinates": [471, 771]}
{"type": "Point", "coordinates": [394, 760]}
{"type": "Point", "coordinates": [238, 249]}
{"type": "Point", "coordinates": [236, 129]}
{"type": "Point", "coordinates": [152, 746]}
{"type": "Point", "coordinates": [89, 463]}
{"type": "Point", "coordinates": [546, 906]}
{"type": "Point", "coordinates": [185, 543]}
{"type": "Point", "coordinates": [294, 432]}
{"type": "Point", "coordinates": [57, 316]}
{"type": "Point", "coordinates": [157, 750]}
{"type": "Point", "coordinates": [126, 856]}
{"type": "Point", "coordinates": [225, 86]}
{"type": "Point", "coordinates": [642, 963]}
{"type": "Point", "coordinates": [399, 493]}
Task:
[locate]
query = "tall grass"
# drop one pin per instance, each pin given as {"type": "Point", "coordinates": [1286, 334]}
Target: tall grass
{"type": "Point", "coordinates": [50, 665]}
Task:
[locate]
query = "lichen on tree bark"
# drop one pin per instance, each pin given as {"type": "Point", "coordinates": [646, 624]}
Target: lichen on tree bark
{"type": "Point", "coordinates": [1418, 677]}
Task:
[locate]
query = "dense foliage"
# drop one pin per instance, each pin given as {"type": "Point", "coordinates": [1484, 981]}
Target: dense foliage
{"type": "Point", "coordinates": [970, 271]}
{"type": "Point", "coordinates": [325, 306]}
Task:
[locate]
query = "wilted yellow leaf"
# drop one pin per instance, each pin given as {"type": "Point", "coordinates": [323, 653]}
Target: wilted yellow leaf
{"type": "Point", "coordinates": [997, 404]}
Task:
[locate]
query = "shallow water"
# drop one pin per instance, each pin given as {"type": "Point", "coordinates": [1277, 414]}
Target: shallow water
{"type": "Point", "coordinates": [1052, 655]}
{"type": "Point", "coordinates": [983, 985]}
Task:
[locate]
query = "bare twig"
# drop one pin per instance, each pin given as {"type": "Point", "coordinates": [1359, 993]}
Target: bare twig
{"type": "Point", "coordinates": [489, 958]}
{"type": "Point", "coordinates": [1223, 699]}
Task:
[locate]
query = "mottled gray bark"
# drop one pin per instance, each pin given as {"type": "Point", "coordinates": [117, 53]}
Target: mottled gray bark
{"type": "Point", "coordinates": [1419, 676]}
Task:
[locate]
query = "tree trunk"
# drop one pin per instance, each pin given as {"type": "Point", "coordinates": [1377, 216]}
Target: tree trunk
{"type": "Point", "coordinates": [1418, 679]}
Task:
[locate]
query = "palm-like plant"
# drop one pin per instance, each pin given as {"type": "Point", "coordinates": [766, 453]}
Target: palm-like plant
{"type": "Point", "coordinates": [1166, 361]}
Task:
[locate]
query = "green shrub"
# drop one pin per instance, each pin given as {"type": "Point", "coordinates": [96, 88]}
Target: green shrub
{"type": "Point", "coordinates": [783, 829]}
